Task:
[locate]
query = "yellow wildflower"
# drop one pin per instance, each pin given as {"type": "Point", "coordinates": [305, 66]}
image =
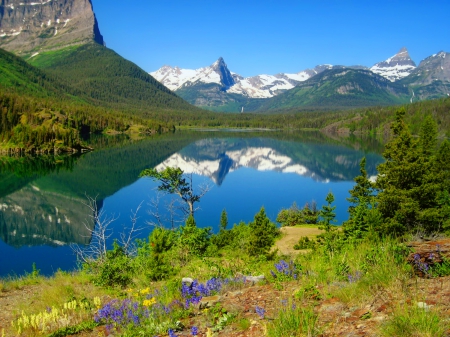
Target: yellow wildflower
{"type": "Point", "coordinates": [148, 303]}
{"type": "Point", "coordinates": [145, 291]}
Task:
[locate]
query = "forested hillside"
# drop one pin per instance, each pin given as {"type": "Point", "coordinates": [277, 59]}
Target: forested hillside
{"type": "Point", "coordinates": [41, 111]}
{"type": "Point", "coordinates": [106, 79]}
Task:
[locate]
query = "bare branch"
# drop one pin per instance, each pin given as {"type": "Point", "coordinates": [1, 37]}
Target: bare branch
{"type": "Point", "coordinates": [127, 237]}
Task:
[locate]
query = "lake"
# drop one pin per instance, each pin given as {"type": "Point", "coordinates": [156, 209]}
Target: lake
{"type": "Point", "coordinates": [43, 199]}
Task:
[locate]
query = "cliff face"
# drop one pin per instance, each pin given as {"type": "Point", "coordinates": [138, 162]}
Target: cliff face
{"type": "Point", "coordinates": [31, 26]}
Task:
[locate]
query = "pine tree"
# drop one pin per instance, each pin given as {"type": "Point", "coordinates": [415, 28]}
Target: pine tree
{"type": "Point", "coordinates": [410, 180]}
{"type": "Point", "coordinates": [327, 214]}
{"type": "Point", "coordinates": [262, 234]}
{"type": "Point", "coordinates": [223, 220]}
{"type": "Point", "coordinates": [362, 200]}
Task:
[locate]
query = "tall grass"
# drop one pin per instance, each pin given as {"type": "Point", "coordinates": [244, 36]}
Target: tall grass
{"type": "Point", "coordinates": [294, 321]}
{"type": "Point", "coordinates": [410, 321]}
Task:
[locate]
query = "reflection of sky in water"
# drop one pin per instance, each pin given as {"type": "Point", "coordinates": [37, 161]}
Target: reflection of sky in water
{"type": "Point", "coordinates": [244, 175]}
{"type": "Point", "coordinates": [48, 259]}
{"type": "Point", "coordinates": [242, 194]}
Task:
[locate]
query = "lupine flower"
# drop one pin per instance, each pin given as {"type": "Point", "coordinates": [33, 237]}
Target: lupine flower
{"type": "Point", "coordinates": [194, 331]}
{"type": "Point", "coordinates": [171, 333]}
{"type": "Point", "coordinates": [260, 311]}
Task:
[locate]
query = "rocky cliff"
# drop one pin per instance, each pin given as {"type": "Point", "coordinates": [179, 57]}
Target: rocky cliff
{"type": "Point", "coordinates": [31, 26]}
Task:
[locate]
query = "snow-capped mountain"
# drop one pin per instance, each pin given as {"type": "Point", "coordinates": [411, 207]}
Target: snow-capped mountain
{"type": "Point", "coordinates": [260, 86]}
{"type": "Point", "coordinates": [266, 86]}
{"type": "Point", "coordinates": [218, 89]}
{"type": "Point", "coordinates": [174, 77]}
{"type": "Point", "coordinates": [396, 67]}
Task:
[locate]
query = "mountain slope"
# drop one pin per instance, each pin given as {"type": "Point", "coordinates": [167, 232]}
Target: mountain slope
{"type": "Point", "coordinates": [31, 26]}
{"type": "Point", "coordinates": [396, 67]}
{"type": "Point", "coordinates": [20, 77]}
{"type": "Point", "coordinates": [108, 80]}
{"type": "Point", "coordinates": [339, 89]}
{"type": "Point", "coordinates": [431, 79]}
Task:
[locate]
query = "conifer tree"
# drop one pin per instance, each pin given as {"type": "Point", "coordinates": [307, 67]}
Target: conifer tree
{"type": "Point", "coordinates": [327, 214]}
{"type": "Point", "coordinates": [362, 200]}
{"type": "Point", "coordinates": [262, 234]}
{"type": "Point", "coordinates": [223, 220]}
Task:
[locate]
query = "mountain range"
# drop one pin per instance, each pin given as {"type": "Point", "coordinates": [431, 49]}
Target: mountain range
{"type": "Point", "coordinates": [61, 42]}
{"type": "Point", "coordinates": [393, 81]}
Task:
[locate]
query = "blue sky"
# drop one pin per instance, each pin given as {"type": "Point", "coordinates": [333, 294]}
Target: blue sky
{"type": "Point", "coordinates": [271, 36]}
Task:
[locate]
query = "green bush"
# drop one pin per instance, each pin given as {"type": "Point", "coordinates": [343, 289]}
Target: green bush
{"type": "Point", "coordinates": [115, 271]}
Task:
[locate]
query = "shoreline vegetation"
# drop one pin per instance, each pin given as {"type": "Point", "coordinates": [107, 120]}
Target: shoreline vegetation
{"type": "Point", "coordinates": [384, 272]}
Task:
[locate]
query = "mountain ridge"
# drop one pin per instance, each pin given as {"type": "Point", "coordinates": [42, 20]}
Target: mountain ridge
{"type": "Point", "coordinates": [253, 93]}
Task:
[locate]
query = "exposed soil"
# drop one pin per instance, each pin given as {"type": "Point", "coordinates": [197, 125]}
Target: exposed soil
{"type": "Point", "coordinates": [335, 316]}
{"type": "Point", "coordinates": [291, 235]}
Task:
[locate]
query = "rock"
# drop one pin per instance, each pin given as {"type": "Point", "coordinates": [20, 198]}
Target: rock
{"type": "Point", "coordinates": [423, 305]}
{"type": "Point", "coordinates": [29, 27]}
{"type": "Point", "coordinates": [208, 302]}
{"type": "Point", "coordinates": [187, 280]}
{"type": "Point", "coordinates": [254, 279]}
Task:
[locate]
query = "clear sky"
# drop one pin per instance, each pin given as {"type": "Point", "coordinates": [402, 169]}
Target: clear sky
{"type": "Point", "coordinates": [271, 36]}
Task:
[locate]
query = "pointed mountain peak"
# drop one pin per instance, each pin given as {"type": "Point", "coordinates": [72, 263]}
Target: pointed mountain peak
{"type": "Point", "coordinates": [226, 79]}
{"type": "Point", "coordinates": [396, 67]}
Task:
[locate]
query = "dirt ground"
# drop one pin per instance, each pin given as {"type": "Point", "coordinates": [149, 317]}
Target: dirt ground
{"type": "Point", "coordinates": [291, 235]}
{"type": "Point", "coordinates": [335, 316]}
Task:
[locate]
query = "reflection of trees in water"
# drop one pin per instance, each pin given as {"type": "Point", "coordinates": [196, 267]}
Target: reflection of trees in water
{"type": "Point", "coordinates": [30, 217]}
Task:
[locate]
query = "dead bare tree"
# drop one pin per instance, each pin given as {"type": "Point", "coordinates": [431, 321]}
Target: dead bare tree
{"type": "Point", "coordinates": [170, 215]}
{"type": "Point", "coordinates": [128, 236]}
{"type": "Point", "coordinates": [98, 225]}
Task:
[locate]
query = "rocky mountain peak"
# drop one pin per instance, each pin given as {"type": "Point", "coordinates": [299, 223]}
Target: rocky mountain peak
{"type": "Point", "coordinates": [31, 26]}
{"type": "Point", "coordinates": [434, 68]}
{"type": "Point", "coordinates": [226, 79]}
{"type": "Point", "coordinates": [396, 67]}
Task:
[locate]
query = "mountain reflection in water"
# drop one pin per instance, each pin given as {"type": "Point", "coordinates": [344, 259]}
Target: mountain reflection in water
{"type": "Point", "coordinates": [42, 199]}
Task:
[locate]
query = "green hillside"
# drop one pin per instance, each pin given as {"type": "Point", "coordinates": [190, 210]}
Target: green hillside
{"type": "Point", "coordinates": [44, 112]}
{"type": "Point", "coordinates": [19, 77]}
{"type": "Point", "coordinates": [106, 79]}
{"type": "Point", "coordinates": [340, 89]}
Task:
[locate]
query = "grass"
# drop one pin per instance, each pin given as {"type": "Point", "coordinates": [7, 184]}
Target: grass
{"type": "Point", "coordinates": [294, 321]}
{"type": "Point", "coordinates": [367, 273]}
{"type": "Point", "coordinates": [412, 321]}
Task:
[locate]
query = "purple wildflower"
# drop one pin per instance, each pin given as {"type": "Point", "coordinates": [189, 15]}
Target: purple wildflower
{"type": "Point", "coordinates": [260, 311]}
{"type": "Point", "coordinates": [194, 331]}
{"type": "Point", "coordinates": [171, 333]}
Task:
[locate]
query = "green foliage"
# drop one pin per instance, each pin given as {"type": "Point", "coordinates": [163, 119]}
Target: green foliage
{"type": "Point", "coordinates": [364, 218]}
{"type": "Point", "coordinates": [294, 216]}
{"type": "Point", "coordinates": [194, 239]}
{"type": "Point", "coordinates": [153, 257]}
{"type": "Point", "coordinates": [305, 243]}
{"type": "Point", "coordinates": [115, 271]}
{"type": "Point", "coordinates": [173, 181]}
{"type": "Point", "coordinates": [223, 220]}
{"type": "Point", "coordinates": [262, 234]}
{"type": "Point", "coordinates": [327, 215]}
{"type": "Point", "coordinates": [76, 329]}
{"type": "Point", "coordinates": [224, 237]}
{"type": "Point", "coordinates": [411, 181]}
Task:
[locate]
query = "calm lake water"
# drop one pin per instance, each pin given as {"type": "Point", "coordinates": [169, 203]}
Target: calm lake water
{"type": "Point", "coordinates": [42, 200]}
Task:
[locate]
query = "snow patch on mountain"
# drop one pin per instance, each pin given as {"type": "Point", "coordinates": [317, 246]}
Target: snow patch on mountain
{"type": "Point", "coordinates": [396, 67]}
{"type": "Point", "coordinates": [260, 86]}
